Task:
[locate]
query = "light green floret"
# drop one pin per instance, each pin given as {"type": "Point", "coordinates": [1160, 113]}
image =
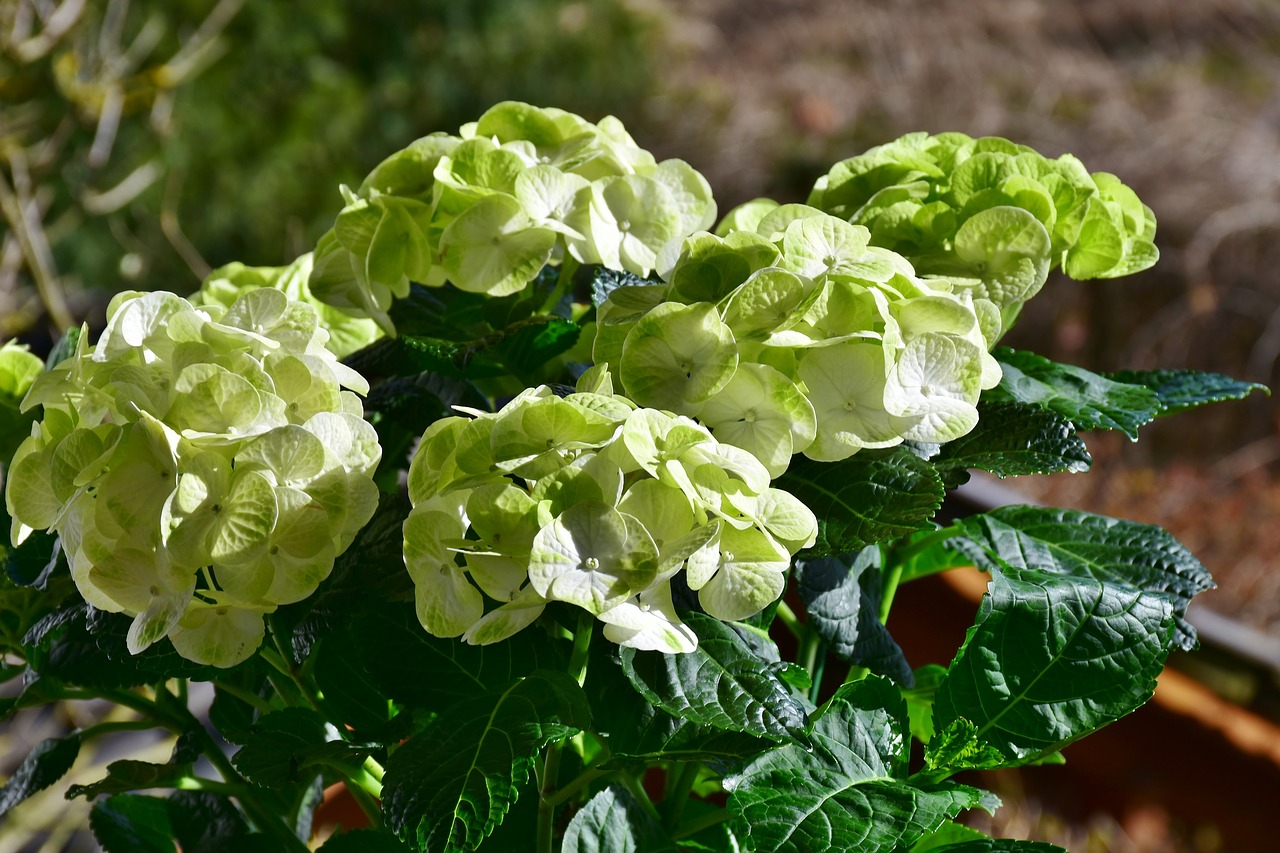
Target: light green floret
{"type": "Point", "coordinates": [202, 466]}
{"type": "Point", "coordinates": [593, 501]}
{"type": "Point", "coordinates": [801, 337]}
{"type": "Point", "coordinates": [347, 333]}
{"type": "Point", "coordinates": [488, 208]}
{"type": "Point", "coordinates": [995, 216]}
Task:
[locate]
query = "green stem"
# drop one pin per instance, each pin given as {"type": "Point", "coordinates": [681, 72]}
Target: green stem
{"type": "Point", "coordinates": [705, 821]}
{"type": "Point", "coordinates": [367, 803]}
{"type": "Point", "coordinates": [857, 672]}
{"type": "Point", "coordinates": [810, 646]}
{"type": "Point", "coordinates": [640, 795]}
{"type": "Point", "coordinates": [253, 700]}
{"type": "Point", "coordinates": [891, 581]}
{"type": "Point", "coordinates": [100, 729]}
{"type": "Point", "coordinates": [678, 792]}
{"type": "Point", "coordinates": [819, 669]}
{"type": "Point", "coordinates": [550, 780]}
{"type": "Point", "coordinates": [575, 785]}
{"type": "Point", "coordinates": [924, 543]}
{"type": "Point", "coordinates": [546, 808]}
{"type": "Point", "coordinates": [564, 284]}
{"type": "Point", "coordinates": [791, 621]}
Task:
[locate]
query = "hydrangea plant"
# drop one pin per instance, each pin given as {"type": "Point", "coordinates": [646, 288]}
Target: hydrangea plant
{"type": "Point", "coordinates": [595, 547]}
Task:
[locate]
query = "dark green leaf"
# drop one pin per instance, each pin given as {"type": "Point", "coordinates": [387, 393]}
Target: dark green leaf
{"type": "Point", "coordinates": [536, 344]}
{"type": "Point", "coordinates": [1088, 400]}
{"type": "Point", "coordinates": [364, 841]}
{"type": "Point", "coordinates": [613, 822]}
{"type": "Point", "coordinates": [848, 790]}
{"type": "Point", "coordinates": [285, 747]}
{"type": "Point", "coordinates": [127, 823]}
{"type": "Point", "coordinates": [870, 497]}
{"type": "Point", "coordinates": [638, 729]}
{"type": "Point", "coordinates": [64, 348]}
{"type": "Point", "coordinates": [1123, 554]}
{"type": "Point", "coordinates": [605, 281]}
{"type": "Point", "coordinates": [230, 715]}
{"type": "Point", "coordinates": [47, 762]}
{"type": "Point", "coordinates": [1052, 658]}
{"type": "Point", "coordinates": [273, 754]}
{"type": "Point", "coordinates": [1179, 390]}
{"type": "Point", "coordinates": [1012, 439]}
{"type": "Point", "coordinates": [722, 683]}
{"type": "Point", "coordinates": [405, 663]}
{"type": "Point", "coordinates": [365, 577]}
{"type": "Point", "coordinates": [31, 563]}
{"type": "Point", "coordinates": [129, 775]}
{"type": "Point", "coordinates": [842, 597]}
{"type": "Point", "coordinates": [994, 845]}
{"type": "Point", "coordinates": [449, 787]}
{"type": "Point", "coordinates": [199, 818]}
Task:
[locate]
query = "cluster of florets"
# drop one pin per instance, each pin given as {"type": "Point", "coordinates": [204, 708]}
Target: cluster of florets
{"type": "Point", "coordinates": [226, 284]}
{"type": "Point", "coordinates": [489, 208]}
{"type": "Point", "coordinates": [792, 335]}
{"type": "Point", "coordinates": [202, 466]}
{"type": "Point", "coordinates": [989, 210]}
{"type": "Point", "coordinates": [591, 500]}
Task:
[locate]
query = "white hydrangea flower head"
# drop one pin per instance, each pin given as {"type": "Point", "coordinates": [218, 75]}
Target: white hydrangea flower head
{"type": "Point", "coordinates": [590, 500]}
{"type": "Point", "coordinates": [202, 466]}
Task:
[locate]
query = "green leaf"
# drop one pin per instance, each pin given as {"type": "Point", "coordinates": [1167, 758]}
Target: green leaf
{"type": "Point", "coordinates": [1012, 439]}
{"type": "Point", "coordinates": [364, 841]}
{"type": "Point", "coordinates": [31, 563]}
{"type": "Point", "coordinates": [451, 786]}
{"type": "Point", "coordinates": [870, 497]}
{"type": "Point", "coordinates": [992, 845]}
{"type": "Point", "coordinates": [129, 775]}
{"type": "Point", "coordinates": [848, 790]}
{"type": "Point", "coordinates": [722, 684]}
{"type": "Point", "coordinates": [842, 597]}
{"type": "Point", "coordinates": [127, 823]}
{"type": "Point", "coordinates": [386, 644]}
{"type": "Point", "coordinates": [1179, 390]}
{"type": "Point", "coordinates": [1122, 554]}
{"type": "Point", "coordinates": [285, 746]}
{"type": "Point", "coordinates": [1088, 400]}
{"type": "Point", "coordinates": [47, 762]}
{"type": "Point", "coordinates": [949, 833]}
{"type": "Point", "coordinates": [1052, 658]}
{"type": "Point", "coordinates": [613, 822]}
{"type": "Point", "coordinates": [200, 820]}
{"type": "Point", "coordinates": [640, 730]}
{"type": "Point", "coordinates": [535, 344]}
{"type": "Point", "coordinates": [605, 281]}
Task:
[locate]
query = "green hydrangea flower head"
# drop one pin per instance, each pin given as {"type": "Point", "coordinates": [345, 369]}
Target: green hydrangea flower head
{"type": "Point", "coordinates": [201, 465]}
{"type": "Point", "coordinates": [347, 333]}
{"type": "Point", "coordinates": [486, 209]}
{"type": "Point", "coordinates": [794, 334]}
{"type": "Point", "coordinates": [992, 215]}
{"type": "Point", "coordinates": [591, 500]}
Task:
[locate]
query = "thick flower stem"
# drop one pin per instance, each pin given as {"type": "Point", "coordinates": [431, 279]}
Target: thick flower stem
{"type": "Point", "coordinates": [548, 790]}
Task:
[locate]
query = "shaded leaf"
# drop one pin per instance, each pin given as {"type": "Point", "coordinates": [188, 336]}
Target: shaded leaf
{"type": "Point", "coordinates": [451, 786]}
{"type": "Point", "coordinates": [722, 683]}
{"type": "Point", "coordinates": [364, 841]}
{"type": "Point", "coordinates": [47, 762]}
{"type": "Point", "coordinates": [605, 281]}
{"type": "Point", "coordinates": [1120, 553]}
{"type": "Point", "coordinates": [1089, 400]}
{"type": "Point", "coordinates": [129, 775]}
{"type": "Point", "coordinates": [870, 497]}
{"type": "Point", "coordinates": [127, 823]}
{"type": "Point", "coordinates": [613, 822]}
{"type": "Point", "coordinates": [842, 597]}
{"type": "Point", "coordinates": [199, 818]}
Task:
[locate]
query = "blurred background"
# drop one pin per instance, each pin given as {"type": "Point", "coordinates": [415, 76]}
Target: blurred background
{"type": "Point", "coordinates": [145, 142]}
